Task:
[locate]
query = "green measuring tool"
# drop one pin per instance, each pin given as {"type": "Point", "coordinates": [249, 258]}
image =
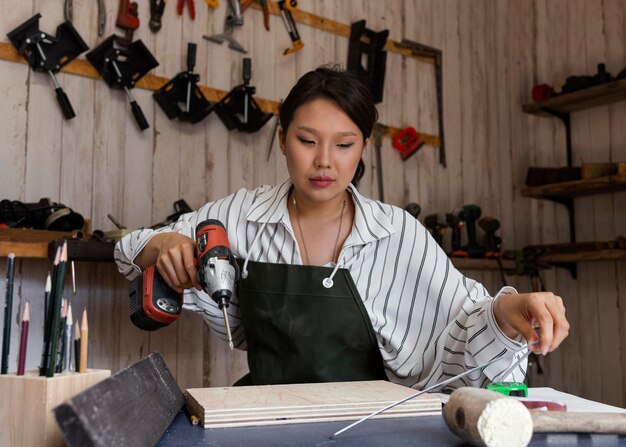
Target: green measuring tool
{"type": "Point", "coordinates": [509, 388]}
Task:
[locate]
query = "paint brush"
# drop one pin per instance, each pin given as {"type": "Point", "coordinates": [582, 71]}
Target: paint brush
{"type": "Point", "coordinates": [21, 361]}
{"type": "Point", "coordinates": [8, 308]}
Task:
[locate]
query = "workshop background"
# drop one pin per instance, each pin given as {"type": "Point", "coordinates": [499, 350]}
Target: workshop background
{"type": "Point", "coordinates": [493, 53]}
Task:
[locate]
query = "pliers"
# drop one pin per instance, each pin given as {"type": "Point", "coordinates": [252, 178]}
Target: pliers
{"type": "Point", "coordinates": [190, 6]}
{"type": "Point", "coordinates": [266, 11]}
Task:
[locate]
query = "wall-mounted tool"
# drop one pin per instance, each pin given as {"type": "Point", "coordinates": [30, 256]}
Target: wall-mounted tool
{"type": "Point", "coordinates": [190, 6]}
{"type": "Point", "coordinates": [181, 97]}
{"type": "Point", "coordinates": [157, 7]}
{"type": "Point", "coordinates": [122, 67]}
{"type": "Point", "coordinates": [377, 137]}
{"type": "Point", "coordinates": [238, 110]}
{"type": "Point", "coordinates": [286, 6]}
{"type": "Point", "coordinates": [422, 50]}
{"type": "Point", "coordinates": [234, 18]}
{"type": "Point", "coordinates": [266, 11]}
{"type": "Point", "coordinates": [374, 71]}
{"type": "Point", "coordinates": [407, 141]}
{"type": "Point", "coordinates": [49, 54]}
{"type": "Point", "coordinates": [212, 3]}
{"type": "Point", "coordinates": [128, 20]}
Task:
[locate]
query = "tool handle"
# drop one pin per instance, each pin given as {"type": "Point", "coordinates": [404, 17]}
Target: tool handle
{"type": "Point", "coordinates": [191, 56]}
{"type": "Point", "coordinates": [571, 422]}
{"type": "Point", "coordinates": [64, 102]}
{"type": "Point", "coordinates": [139, 116]}
{"type": "Point", "coordinates": [247, 70]}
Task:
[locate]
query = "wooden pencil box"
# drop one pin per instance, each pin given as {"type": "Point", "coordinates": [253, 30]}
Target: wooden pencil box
{"type": "Point", "coordinates": [28, 400]}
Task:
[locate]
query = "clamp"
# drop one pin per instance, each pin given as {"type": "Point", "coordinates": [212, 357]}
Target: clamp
{"type": "Point", "coordinates": [156, 12]}
{"type": "Point", "coordinates": [233, 18]}
{"type": "Point", "coordinates": [286, 6]}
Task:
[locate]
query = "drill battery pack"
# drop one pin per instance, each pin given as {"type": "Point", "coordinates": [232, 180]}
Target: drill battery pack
{"type": "Point", "coordinates": [153, 304]}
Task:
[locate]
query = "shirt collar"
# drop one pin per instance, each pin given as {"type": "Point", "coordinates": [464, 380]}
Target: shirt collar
{"type": "Point", "coordinates": [371, 223]}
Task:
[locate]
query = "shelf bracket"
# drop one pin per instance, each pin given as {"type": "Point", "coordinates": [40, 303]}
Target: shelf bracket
{"type": "Point", "coordinates": [565, 118]}
{"type": "Point", "coordinates": [568, 202]}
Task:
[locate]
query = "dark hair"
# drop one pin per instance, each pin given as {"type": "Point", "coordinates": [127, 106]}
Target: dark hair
{"type": "Point", "coordinates": [345, 88]}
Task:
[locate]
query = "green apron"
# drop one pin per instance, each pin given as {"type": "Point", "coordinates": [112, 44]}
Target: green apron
{"type": "Point", "coordinates": [299, 331]}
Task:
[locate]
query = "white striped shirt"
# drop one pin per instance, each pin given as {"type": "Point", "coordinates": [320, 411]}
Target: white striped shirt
{"type": "Point", "coordinates": [431, 322]}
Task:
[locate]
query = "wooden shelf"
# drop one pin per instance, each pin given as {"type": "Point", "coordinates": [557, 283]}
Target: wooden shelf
{"type": "Point", "coordinates": [582, 256]}
{"type": "Point", "coordinates": [39, 244]}
{"type": "Point", "coordinates": [481, 264]}
{"type": "Point", "coordinates": [582, 99]}
{"type": "Point", "coordinates": [577, 188]}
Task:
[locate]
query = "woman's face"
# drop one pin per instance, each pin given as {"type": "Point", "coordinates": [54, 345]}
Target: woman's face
{"type": "Point", "coordinates": [323, 147]}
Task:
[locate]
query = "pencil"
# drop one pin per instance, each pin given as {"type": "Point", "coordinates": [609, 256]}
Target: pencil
{"type": "Point", "coordinates": [84, 340]}
{"type": "Point", "coordinates": [49, 315]}
{"type": "Point", "coordinates": [21, 361]}
{"type": "Point", "coordinates": [61, 335]}
{"type": "Point", "coordinates": [57, 294]}
{"type": "Point", "coordinates": [76, 347]}
{"type": "Point", "coordinates": [68, 340]}
{"type": "Point", "coordinates": [46, 302]}
{"type": "Point", "coordinates": [8, 308]}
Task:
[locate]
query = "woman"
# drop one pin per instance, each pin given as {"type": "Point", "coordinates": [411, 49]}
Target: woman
{"type": "Point", "coordinates": [336, 286]}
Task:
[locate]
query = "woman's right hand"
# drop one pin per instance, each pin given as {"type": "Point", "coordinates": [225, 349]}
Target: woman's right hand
{"type": "Point", "coordinates": [175, 256]}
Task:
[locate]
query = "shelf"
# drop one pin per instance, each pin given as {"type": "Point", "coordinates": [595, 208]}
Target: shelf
{"type": "Point", "coordinates": [41, 244]}
{"type": "Point", "coordinates": [582, 99]}
{"type": "Point", "coordinates": [582, 256]}
{"type": "Point", "coordinates": [481, 264]}
{"type": "Point", "coordinates": [577, 188]}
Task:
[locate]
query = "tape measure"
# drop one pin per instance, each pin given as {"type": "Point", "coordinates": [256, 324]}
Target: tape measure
{"type": "Point", "coordinates": [509, 388]}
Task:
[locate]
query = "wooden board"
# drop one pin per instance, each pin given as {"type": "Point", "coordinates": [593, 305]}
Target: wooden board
{"type": "Point", "coordinates": [301, 403]}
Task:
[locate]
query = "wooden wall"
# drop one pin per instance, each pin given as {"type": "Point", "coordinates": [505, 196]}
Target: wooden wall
{"type": "Point", "coordinates": [494, 51]}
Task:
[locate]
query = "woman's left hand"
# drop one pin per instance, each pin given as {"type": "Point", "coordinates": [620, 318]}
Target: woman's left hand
{"type": "Point", "coordinates": [522, 313]}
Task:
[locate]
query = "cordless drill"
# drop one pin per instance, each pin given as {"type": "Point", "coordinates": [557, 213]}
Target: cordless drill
{"type": "Point", "coordinates": [470, 215]}
{"type": "Point", "coordinates": [436, 224]}
{"type": "Point", "coordinates": [454, 221]}
{"type": "Point", "coordinates": [492, 242]}
{"type": "Point", "coordinates": [154, 304]}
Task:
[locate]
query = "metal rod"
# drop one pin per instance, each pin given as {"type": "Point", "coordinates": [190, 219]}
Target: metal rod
{"type": "Point", "coordinates": [425, 390]}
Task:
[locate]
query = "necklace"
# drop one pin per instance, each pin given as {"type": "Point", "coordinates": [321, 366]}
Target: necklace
{"type": "Point", "coordinates": [306, 251]}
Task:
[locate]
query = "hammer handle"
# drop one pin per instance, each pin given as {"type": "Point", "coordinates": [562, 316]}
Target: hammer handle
{"type": "Point", "coordinates": [566, 422]}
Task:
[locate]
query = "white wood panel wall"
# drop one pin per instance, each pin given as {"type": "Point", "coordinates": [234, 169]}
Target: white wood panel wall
{"type": "Point", "coordinates": [494, 51]}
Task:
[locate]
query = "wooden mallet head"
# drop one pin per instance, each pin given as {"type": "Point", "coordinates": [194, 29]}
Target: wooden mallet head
{"type": "Point", "coordinates": [486, 418]}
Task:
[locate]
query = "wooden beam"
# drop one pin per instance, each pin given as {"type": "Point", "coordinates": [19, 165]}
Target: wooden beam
{"type": "Point", "coordinates": [82, 67]}
{"type": "Point", "coordinates": [133, 407]}
{"type": "Point", "coordinates": [340, 29]}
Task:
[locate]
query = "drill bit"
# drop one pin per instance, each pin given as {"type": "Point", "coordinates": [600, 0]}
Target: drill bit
{"type": "Point", "coordinates": [230, 336]}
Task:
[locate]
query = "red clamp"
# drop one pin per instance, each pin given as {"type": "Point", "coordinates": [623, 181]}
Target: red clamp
{"type": "Point", "coordinates": [407, 141]}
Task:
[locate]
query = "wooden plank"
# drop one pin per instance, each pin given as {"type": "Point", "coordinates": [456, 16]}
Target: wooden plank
{"type": "Point", "coordinates": [582, 99]}
{"type": "Point", "coordinates": [301, 403]}
{"type": "Point", "coordinates": [102, 416]}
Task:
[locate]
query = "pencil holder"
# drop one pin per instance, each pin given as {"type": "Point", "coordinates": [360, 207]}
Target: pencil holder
{"type": "Point", "coordinates": [28, 400]}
